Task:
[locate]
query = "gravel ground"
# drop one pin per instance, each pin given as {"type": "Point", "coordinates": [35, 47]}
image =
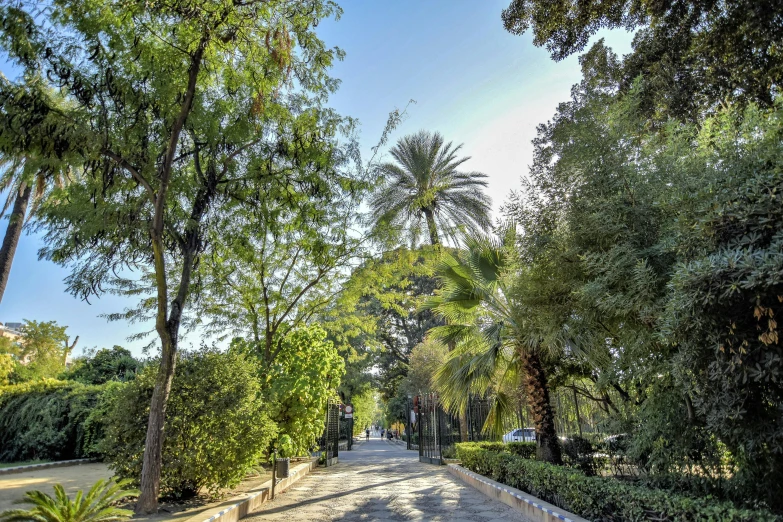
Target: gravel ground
{"type": "Point", "coordinates": [378, 481]}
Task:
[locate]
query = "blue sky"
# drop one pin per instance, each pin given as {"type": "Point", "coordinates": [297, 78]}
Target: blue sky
{"type": "Point", "coordinates": [472, 81]}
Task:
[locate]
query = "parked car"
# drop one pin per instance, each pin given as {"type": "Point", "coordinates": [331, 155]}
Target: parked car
{"type": "Point", "coordinates": [617, 443]}
{"type": "Point", "coordinates": [520, 435]}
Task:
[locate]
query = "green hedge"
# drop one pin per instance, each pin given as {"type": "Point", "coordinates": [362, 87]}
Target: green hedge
{"type": "Point", "coordinates": [598, 498]}
{"type": "Point", "coordinates": [49, 420]}
{"type": "Point", "coordinates": [523, 449]}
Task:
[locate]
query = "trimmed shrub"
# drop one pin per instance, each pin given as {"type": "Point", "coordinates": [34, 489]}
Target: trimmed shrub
{"type": "Point", "coordinates": [49, 420]}
{"type": "Point", "coordinates": [523, 449]}
{"type": "Point", "coordinates": [599, 498]}
{"type": "Point", "coordinates": [217, 427]}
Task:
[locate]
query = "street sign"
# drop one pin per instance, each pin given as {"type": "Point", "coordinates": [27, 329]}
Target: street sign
{"type": "Point", "coordinates": [348, 408]}
{"type": "Point", "coordinates": [349, 415]}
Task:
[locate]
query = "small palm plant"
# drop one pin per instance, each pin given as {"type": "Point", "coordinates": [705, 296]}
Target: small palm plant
{"type": "Point", "coordinates": [97, 506]}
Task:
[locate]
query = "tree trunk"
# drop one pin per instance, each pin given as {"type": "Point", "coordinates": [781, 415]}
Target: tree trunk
{"type": "Point", "coordinates": [167, 324]}
{"type": "Point", "coordinates": [433, 230]}
{"type": "Point", "coordinates": [462, 416]}
{"type": "Point", "coordinates": [12, 235]}
{"type": "Point", "coordinates": [578, 417]}
{"type": "Point", "coordinates": [537, 391]}
{"type": "Point", "coordinates": [153, 447]}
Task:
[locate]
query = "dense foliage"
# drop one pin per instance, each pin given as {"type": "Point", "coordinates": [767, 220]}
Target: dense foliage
{"type": "Point", "coordinates": [39, 353]}
{"type": "Point", "coordinates": [50, 420]}
{"type": "Point", "coordinates": [597, 498]}
{"type": "Point", "coordinates": [176, 112]}
{"type": "Point", "coordinates": [218, 423]}
{"type": "Point", "coordinates": [365, 411]}
{"type": "Point", "coordinates": [297, 385]}
{"type": "Point", "coordinates": [105, 365]}
{"type": "Point", "coordinates": [688, 55]}
{"type": "Point", "coordinates": [378, 312]}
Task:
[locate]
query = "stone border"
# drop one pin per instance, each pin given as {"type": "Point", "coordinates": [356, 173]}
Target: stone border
{"type": "Point", "coordinates": [243, 505]}
{"type": "Point", "coordinates": [44, 465]}
{"type": "Point", "coordinates": [532, 507]}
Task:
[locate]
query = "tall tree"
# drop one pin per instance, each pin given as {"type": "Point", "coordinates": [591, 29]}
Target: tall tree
{"type": "Point", "coordinates": [688, 56]}
{"type": "Point", "coordinates": [28, 175]}
{"type": "Point", "coordinates": [379, 305]}
{"type": "Point", "coordinates": [277, 265]}
{"type": "Point", "coordinates": [177, 107]}
{"type": "Point", "coordinates": [425, 192]}
{"type": "Point", "coordinates": [494, 333]}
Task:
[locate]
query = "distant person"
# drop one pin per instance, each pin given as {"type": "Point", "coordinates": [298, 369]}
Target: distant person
{"type": "Point", "coordinates": [382, 430]}
{"type": "Point", "coordinates": [367, 433]}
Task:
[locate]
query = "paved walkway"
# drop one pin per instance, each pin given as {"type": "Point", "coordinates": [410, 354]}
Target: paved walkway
{"type": "Point", "coordinates": [380, 481]}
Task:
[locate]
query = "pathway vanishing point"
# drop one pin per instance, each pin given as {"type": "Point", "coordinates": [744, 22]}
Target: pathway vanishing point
{"type": "Point", "coordinates": [381, 481]}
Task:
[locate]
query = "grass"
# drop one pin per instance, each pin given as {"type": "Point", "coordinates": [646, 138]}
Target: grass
{"type": "Point", "coordinates": [24, 463]}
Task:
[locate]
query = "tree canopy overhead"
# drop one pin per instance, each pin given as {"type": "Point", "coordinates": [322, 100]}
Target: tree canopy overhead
{"type": "Point", "coordinates": [176, 109]}
{"type": "Point", "coordinates": [690, 55]}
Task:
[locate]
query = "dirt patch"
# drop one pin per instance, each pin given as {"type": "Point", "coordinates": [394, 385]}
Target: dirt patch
{"type": "Point", "coordinates": [182, 510]}
{"type": "Point", "coordinates": [83, 476]}
{"type": "Point", "coordinates": [73, 478]}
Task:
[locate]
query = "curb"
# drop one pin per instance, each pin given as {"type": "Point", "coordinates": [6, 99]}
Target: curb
{"type": "Point", "coordinates": [244, 505]}
{"type": "Point", "coordinates": [44, 465]}
{"type": "Point", "coordinates": [530, 506]}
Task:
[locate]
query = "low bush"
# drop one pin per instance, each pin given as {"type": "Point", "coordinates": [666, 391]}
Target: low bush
{"type": "Point", "coordinates": [50, 420]}
{"type": "Point", "coordinates": [523, 449]}
{"type": "Point", "coordinates": [217, 427]}
{"type": "Point", "coordinates": [598, 498]}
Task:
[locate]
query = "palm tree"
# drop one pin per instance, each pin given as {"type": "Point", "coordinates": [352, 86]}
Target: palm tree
{"type": "Point", "coordinates": [25, 180]}
{"type": "Point", "coordinates": [97, 506]}
{"type": "Point", "coordinates": [424, 190]}
{"type": "Point", "coordinates": [497, 340]}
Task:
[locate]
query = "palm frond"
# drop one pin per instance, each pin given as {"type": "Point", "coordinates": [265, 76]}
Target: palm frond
{"type": "Point", "coordinates": [98, 505]}
{"type": "Point", "coordinates": [425, 177]}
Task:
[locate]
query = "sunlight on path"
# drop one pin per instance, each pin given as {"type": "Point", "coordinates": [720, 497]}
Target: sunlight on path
{"type": "Point", "coordinates": [73, 478]}
{"type": "Point", "coordinates": [380, 481]}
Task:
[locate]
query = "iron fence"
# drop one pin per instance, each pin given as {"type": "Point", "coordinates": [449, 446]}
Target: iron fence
{"type": "Point", "coordinates": [331, 438]}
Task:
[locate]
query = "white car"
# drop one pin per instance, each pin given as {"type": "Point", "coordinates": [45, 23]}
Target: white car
{"type": "Point", "coordinates": [520, 435]}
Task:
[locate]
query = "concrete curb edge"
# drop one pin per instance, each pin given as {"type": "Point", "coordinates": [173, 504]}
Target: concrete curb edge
{"type": "Point", "coordinates": [249, 502]}
{"type": "Point", "coordinates": [530, 506]}
{"type": "Point", "coordinates": [44, 465]}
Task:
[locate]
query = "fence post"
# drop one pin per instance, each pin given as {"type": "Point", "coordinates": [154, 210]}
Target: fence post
{"type": "Point", "coordinates": [421, 436]}
{"type": "Point", "coordinates": [439, 432]}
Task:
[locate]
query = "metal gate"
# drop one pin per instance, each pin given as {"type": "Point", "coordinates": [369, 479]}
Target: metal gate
{"type": "Point", "coordinates": [438, 430]}
{"type": "Point", "coordinates": [411, 424]}
{"type": "Point", "coordinates": [476, 413]}
{"type": "Point", "coordinates": [332, 432]}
